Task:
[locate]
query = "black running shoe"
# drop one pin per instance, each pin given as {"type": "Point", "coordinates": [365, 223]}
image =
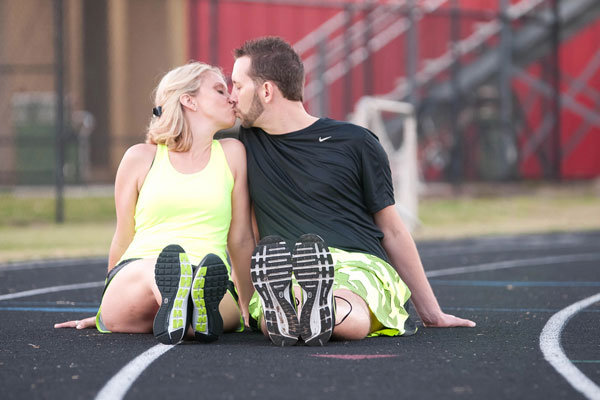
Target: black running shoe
{"type": "Point", "coordinates": [208, 288]}
{"type": "Point", "coordinates": [313, 268]}
{"type": "Point", "coordinates": [173, 276]}
{"type": "Point", "coordinates": [271, 272]}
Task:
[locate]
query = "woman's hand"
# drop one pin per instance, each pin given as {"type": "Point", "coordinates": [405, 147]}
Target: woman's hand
{"type": "Point", "coordinates": [78, 324]}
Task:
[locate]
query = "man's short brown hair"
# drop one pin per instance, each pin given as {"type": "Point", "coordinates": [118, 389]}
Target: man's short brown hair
{"type": "Point", "coordinates": [274, 59]}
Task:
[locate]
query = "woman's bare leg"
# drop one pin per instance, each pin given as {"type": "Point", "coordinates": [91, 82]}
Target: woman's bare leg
{"type": "Point", "coordinates": [132, 299]}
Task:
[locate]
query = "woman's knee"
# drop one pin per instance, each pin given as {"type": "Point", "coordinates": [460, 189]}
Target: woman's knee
{"type": "Point", "coordinates": [129, 304]}
{"type": "Point", "coordinates": [122, 324]}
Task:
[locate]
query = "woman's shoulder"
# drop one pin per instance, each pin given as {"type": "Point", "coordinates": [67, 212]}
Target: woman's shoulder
{"type": "Point", "coordinates": [141, 152]}
{"type": "Point", "coordinates": [232, 146]}
{"type": "Point", "coordinates": [135, 164]}
{"type": "Point", "coordinates": [235, 154]}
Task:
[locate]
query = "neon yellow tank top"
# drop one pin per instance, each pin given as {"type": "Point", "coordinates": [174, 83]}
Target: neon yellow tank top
{"type": "Point", "coordinates": [192, 210]}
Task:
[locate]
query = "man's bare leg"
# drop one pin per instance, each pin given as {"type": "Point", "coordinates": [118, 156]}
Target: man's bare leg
{"type": "Point", "coordinates": [353, 318]}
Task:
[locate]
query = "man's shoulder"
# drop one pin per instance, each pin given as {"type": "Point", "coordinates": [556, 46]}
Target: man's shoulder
{"type": "Point", "coordinates": [344, 128]}
{"type": "Point", "coordinates": [344, 125]}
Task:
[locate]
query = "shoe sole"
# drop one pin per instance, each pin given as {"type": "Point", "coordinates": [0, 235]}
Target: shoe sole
{"type": "Point", "coordinates": [208, 288]}
{"type": "Point", "coordinates": [271, 273]}
{"type": "Point", "coordinates": [173, 276]}
{"type": "Point", "coordinates": [314, 271]}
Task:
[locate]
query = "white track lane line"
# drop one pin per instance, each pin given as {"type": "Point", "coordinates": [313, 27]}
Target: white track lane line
{"type": "Point", "coordinates": [528, 262]}
{"type": "Point", "coordinates": [507, 244]}
{"type": "Point", "coordinates": [554, 354]}
{"type": "Point", "coordinates": [119, 384]}
{"type": "Point", "coordinates": [51, 289]}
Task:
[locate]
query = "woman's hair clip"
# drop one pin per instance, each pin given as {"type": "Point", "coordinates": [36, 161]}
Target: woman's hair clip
{"type": "Point", "coordinates": [157, 111]}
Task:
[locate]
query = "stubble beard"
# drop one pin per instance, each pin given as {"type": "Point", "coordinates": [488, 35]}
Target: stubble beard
{"type": "Point", "coordinates": [256, 110]}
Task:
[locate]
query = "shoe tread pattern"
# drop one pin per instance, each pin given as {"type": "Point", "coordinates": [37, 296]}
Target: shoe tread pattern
{"type": "Point", "coordinates": [271, 273]}
{"type": "Point", "coordinates": [314, 271]}
{"type": "Point", "coordinates": [173, 277]}
{"type": "Point", "coordinates": [208, 288]}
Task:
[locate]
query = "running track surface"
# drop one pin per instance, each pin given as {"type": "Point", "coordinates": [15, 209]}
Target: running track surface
{"type": "Point", "coordinates": [535, 300]}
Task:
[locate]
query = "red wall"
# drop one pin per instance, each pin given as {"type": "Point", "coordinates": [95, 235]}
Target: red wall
{"type": "Point", "coordinates": [584, 160]}
{"type": "Point", "coordinates": [240, 21]}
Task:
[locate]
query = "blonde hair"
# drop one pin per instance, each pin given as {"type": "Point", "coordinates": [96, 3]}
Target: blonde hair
{"type": "Point", "coordinates": [170, 127]}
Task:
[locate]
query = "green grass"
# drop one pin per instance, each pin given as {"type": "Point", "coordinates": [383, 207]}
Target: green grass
{"type": "Point", "coordinates": [27, 229]}
{"type": "Point", "coordinates": [46, 240]}
{"type": "Point", "coordinates": [27, 210]}
{"type": "Point", "coordinates": [471, 216]}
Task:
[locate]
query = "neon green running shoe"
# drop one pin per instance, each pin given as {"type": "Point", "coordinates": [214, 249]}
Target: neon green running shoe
{"type": "Point", "coordinates": [208, 288]}
{"type": "Point", "coordinates": [173, 275]}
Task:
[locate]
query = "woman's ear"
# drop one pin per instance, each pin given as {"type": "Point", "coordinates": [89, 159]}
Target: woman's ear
{"type": "Point", "coordinates": [188, 102]}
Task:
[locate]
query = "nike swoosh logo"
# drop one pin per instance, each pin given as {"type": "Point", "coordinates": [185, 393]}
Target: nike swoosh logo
{"type": "Point", "coordinates": [322, 139]}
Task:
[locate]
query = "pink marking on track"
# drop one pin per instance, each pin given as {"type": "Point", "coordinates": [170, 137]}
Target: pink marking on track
{"type": "Point", "coordinates": [354, 356]}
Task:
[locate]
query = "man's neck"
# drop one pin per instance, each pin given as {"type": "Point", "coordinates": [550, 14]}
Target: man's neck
{"type": "Point", "coordinates": [287, 117]}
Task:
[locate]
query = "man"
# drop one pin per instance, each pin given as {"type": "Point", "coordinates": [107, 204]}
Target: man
{"type": "Point", "coordinates": [330, 179]}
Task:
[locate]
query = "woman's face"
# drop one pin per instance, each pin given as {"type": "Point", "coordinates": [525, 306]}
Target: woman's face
{"type": "Point", "coordinates": [213, 100]}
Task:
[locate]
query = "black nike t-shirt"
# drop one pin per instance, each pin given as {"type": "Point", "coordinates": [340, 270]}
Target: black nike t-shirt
{"type": "Point", "coordinates": [329, 179]}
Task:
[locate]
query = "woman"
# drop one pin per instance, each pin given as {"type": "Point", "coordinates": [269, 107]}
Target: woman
{"type": "Point", "coordinates": [183, 190]}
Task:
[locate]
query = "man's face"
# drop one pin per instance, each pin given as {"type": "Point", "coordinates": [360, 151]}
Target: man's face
{"type": "Point", "coordinates": [248, 106]}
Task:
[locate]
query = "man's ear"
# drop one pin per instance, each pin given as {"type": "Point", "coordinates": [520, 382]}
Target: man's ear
{"type": "Point", "coordinates": [188, 102]}
{"type": "Point", "coordinates": [268, 90]}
